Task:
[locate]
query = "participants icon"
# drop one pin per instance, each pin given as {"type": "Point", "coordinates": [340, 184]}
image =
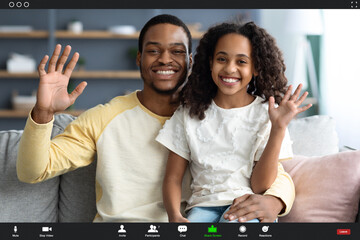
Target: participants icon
{"type": "Point", "coordinates": [152, 229]}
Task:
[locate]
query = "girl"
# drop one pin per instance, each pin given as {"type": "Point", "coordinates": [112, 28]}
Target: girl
{"type": "Point", "coordinates": [232, 138]}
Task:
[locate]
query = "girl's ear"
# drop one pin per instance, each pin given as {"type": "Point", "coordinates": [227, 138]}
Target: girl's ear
{"type": "Point", "coordinates": [255, 73]}
{"type": "Point", "coordinates": [210, 62]}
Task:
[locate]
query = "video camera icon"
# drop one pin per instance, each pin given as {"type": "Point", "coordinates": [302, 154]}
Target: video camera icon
{"type": "Point", "coordinates": [46, 229]}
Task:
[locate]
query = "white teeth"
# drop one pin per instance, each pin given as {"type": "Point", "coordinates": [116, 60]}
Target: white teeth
{"type": "Point", "coordinates": [165, 72]}
{"type": "Point", "coordinates": [230, 80]}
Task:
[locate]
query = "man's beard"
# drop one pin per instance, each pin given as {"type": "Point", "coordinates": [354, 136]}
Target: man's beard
{"type": "Point", "coordinates": [169, 91]}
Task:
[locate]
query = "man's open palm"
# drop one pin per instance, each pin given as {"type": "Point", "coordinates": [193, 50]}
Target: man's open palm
{"type": "Point", "coordinates": [52, 95]}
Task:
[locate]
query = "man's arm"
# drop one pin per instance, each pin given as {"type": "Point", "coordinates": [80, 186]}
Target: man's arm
{"type": "Point", "coordinates": [283, 189]}
{"type": "Point", "coordinates": [33, 152]}
{"type": "Point", "coordinates": [277, 200]}
{"type": "Point", "coordinates": [38, 159]}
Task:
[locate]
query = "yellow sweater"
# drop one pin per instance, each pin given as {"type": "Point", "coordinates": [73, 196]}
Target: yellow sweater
{"type": "Point", "coordinates": [130, 163]}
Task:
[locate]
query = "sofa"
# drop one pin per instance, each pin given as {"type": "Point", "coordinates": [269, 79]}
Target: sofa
{"type": "Point", "coordinates": [66, 198]}
{"type": "Point", "coordinates": [314, 169]}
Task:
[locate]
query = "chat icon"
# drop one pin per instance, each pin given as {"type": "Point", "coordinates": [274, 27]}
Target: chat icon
{"type": "Point", "coordinates": [182, 228]}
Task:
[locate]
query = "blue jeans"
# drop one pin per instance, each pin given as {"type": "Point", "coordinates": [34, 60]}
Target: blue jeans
{"type": "Point", "coordinates": [211, 214]}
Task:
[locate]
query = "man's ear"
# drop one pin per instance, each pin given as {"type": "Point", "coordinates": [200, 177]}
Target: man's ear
{"type": "Point", "coordinates": [190, 61]}
{"type": "Point", "coordinates": [138, 58]}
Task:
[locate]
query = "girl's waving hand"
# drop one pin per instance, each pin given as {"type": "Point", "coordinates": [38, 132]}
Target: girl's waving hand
{"type": "Point", "coordinates": [289, 107]}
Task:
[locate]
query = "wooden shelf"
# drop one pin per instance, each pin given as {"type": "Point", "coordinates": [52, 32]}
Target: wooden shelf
{"type": "Point", "coordinates": [8, 113]}
{"type": "Point", "coordinates": [107, 74]}
{"type": "Point", "coordinates": [197, 35]}
{"type": "Point", "coordinates": [84, 35]}
{"type": "Point", "coordinates": [80, 74]}
{"type": "Point", "coordinates": [95, 35]}
{"type": "Point", "coordinates": [107, 35]}
{"type": "Point", "coordinates": [31, 34]}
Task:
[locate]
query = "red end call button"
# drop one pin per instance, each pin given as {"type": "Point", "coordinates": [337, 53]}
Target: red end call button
{"type": "Point", "coordinates": [343, 232]}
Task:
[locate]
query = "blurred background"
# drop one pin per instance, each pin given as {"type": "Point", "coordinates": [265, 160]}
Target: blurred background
{"type": "Point", "coordinates": [321, 50]}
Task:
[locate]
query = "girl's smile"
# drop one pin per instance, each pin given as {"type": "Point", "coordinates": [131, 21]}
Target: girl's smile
{"type": "Point", "coordinates": [230, 81]}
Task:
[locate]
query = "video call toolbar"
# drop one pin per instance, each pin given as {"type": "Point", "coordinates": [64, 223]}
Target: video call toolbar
{"type": "Point", "coordinates": [189, 231]}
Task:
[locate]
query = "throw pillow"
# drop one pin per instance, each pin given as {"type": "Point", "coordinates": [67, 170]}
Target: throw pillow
{"type": "Point", "coordinates": [327, 188]}
{"type": "Point", "coordinates": [319, 138]}
{"type": "Point", "coordinates": [23, 202]}
{"type": "Point", "coordinates": [77, 200]}
{"type": "Point", "coordinates": [77, 188]}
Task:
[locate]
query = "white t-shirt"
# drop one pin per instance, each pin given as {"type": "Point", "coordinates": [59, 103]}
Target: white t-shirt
{"type": "Point", "coordinates": [221, 149]}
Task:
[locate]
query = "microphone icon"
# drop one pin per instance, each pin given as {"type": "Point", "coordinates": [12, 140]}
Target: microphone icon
{"type": "Point", "coordinates": [15, 229]}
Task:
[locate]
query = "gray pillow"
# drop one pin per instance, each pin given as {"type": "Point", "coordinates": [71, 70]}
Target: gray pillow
{"type": "Point", "coordinates": [314, 136]}
{"type": "Point", "coordinates": [23, 202]}
{"type": "Point", "coordinates": [77, 195]}
{"type": "Point", "coordinates": [77, 188]}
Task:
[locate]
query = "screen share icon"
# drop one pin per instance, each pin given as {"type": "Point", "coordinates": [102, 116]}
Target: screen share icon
{"type": "Point", "coordinates": [212, 229]}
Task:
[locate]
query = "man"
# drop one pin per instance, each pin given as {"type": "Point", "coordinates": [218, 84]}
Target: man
{"type": "Point", "coordinates": [130, 163]}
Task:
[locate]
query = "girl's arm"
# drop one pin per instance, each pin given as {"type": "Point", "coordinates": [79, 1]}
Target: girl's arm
{"type": "Point", "coordinates": [175, 170]}
{"type": "Point", "coordinates": [265, 171]}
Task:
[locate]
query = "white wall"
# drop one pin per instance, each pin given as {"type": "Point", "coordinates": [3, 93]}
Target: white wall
{"type": "Point", "coordinates": [340, 82]}
{"type": "Point", "coordinates": [340, 65]}
{"type": "Point", "coordinates": [274, 21]}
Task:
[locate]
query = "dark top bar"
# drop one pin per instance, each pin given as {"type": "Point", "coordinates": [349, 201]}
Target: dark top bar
{"type": "Point", "coordinates": [180, 4]}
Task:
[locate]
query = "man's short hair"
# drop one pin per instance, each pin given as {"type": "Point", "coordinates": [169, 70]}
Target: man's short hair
{"type": "Point", "coordinates": [164, 18]}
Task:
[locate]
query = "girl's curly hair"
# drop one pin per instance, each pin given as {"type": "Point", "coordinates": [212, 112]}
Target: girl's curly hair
{"type": "Point", "coordinates": [268, 63]}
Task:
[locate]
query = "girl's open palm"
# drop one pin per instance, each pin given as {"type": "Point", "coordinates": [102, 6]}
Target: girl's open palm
{"type": "Point", "coordinates": [52, 94]}
{"type": "Point", "coordinates": [289, 107]}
